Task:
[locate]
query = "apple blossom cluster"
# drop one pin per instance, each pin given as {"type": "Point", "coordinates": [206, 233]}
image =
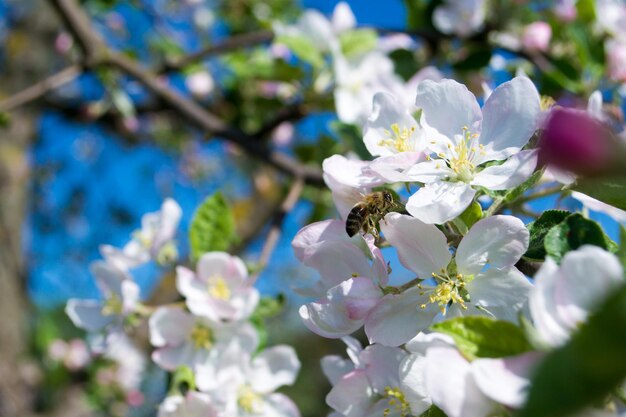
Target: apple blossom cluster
{"type": "Point", "coordinates": [464, 259]}
{"type": "Point", "coordinates": [210, 334]}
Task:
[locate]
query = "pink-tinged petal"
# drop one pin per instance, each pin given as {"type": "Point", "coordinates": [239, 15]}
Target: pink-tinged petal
{"type": "Point", "coordinates": [541, 302]}
{"type": "Point", "coordinates": [510, 118]}
{"type": "Point", "coordinates": [221, 264]}
{"type": "Point", "coordinates": [188, 285]}
{"type": "Point", "coordinates": [335, 367]}
{"type": "Point", "coordinates": [343, 19]}
{"type": "Point", "coordinates": [279, 405]}
{"type": "Point", "coordinates": [350, 172]}
{"type": "Point", "coordinates": [273, 368]}
{"type": "Point", "coordinates": [438, 203]}
{"type": "Point", "coordinates": [517, 169]}
{"type": "Point", "coordinates": [344, 310]}
{"type": "Point", "coordinates": [506, 287]}
{"type": "Point", "coordinates": [451, 385]}
{"type": "Point", "coordinates": [422, 247]}
{"type": "Point", "coordinates": [413, 383]}
{"type": "Point", "coordinates": [87, 314]}
{"type": "Point", "coordinates": [506, 380]}
{"type": "Point", "coordinates": [170, 326]}
{"type": "Point", "coordinates": [352, 395]}
{"type": "Point", "coordinates": [592, 204]}
{"type": "Point", "coordinates": [498, 240]}
{"type": "Point", "coordinates": [388, 113]}
{"type": "Point", "coordinates": [590, 274]}
{"type": "Point", "coordinates": [393, 168]}
{"type": "Point", "coordinates": [448, 107]}
{"type": "Point", "coordinates": [398, 318]}
{"type": "Point", "coordinates": [381, 364]}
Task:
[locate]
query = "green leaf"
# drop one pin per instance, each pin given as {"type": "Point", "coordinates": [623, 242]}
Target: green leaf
{"type": "Point", "coordinates": [303, 48]}
{"type": "Point", "coordinates": [610, 190]}
{"type": "Point", "coordinates": [358, 41]}
{"type": "Point", "coordinates": [433, 411]}
{"type": "Point", "coordinates": [269, 307]}
{"type": "Point", "coordinates": [584, 371]}
{"type": "Point", "coordinates": [212, 227]}
{"type": "Point", "coordinates": [539, 229]}
{"type": "Point", "coordinates": [483, 337]}
{"type": "Point", "coordinates": [183, 380]}
{"type": "Point", "coordinates": [471, 215]}
{"type": "Point", "coordinates": [572, 233]}
{"type": "Point", "coordinates": [477, 58]}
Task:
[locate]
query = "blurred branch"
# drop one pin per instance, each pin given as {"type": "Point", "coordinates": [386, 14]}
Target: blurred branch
{"type": "Point", "coordinates": [41, 88]}
{"type": "Point", "coordinates": [288, 114]}
{"type": "Point", "coordinates": [273, 236]}
{"type": "Point", "coordinates": [227, 45]}
{"type": "Point", "coordinates": [98, 54]}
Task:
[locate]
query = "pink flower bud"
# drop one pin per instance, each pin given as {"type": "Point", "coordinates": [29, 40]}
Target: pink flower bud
{"type": "Point", "coordinates": [565, 10]}
{"type": "Point", "coordinates": [283, 134]}
{"type": "Point", "coordinates": [134, 398]}
{"type": "Point", "coordinates": [576, 142]}
{"type": "Point", "coordinates": [537, 36]}
{"type": "Point", "coordinates": [63, 43]}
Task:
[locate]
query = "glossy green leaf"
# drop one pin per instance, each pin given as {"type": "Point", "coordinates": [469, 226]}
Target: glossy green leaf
{"type": "Point", "coordinates": [212, 227]}
{"type": "Point", "coordinates": [572, 233]}
{"type": "Point", "coordinates": [540, 228]}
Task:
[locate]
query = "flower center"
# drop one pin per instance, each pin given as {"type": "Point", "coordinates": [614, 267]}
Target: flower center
{"type": "Point", "coordinates": [167, 254]}
{"type": "Point", "coordinates": [201, 336]}
{"type": "Point", "coordinates": [219, 289]}
{"type": "Point", "coordinates": [398, 138]}
{"type": "Point", "coordinates": [396, 401]}
{"type": "Point", "coordinates": [460, 157]}
{"type": "Point", "coordinates": [113, 306]}
{"type": "Point", "coordinates": [448, 291]}
{"type": "Point", "coordinates": [249, 401]}
{"type": "Point", "coordinates": [144, 239]}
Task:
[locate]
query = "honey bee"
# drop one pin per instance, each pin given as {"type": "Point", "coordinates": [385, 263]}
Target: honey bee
{"type": "Point", "coordinates": [366, 214]}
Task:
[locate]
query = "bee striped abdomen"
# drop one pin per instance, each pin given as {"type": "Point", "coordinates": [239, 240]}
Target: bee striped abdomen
{"type": "Point", "coordinates": [356, 219]}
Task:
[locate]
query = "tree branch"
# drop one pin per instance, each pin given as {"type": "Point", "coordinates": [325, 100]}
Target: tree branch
{"type": "Point", "coordinates": [234, 42]}
{"type": "Point", "coordinates": [101, 55]}
{"type": "Point", "coordinates": [276, 226]}
{"type": "Point", "coordinates": [41, 88]}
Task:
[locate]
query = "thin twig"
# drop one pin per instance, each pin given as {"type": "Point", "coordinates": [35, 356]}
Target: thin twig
{"type": "Point", "coordinates": [40, 89]}
{"type": "Point", "coordinates": [276, 226]}
{"type": "Point", "coordinates": [540, 194]}
{"type": "Point", "coordinates": [227, 45]}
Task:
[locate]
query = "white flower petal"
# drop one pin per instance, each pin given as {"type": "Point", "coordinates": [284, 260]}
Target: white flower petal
{"type": "Point", "coordinates": [398, 318]}
{"type": "Point", "coordinates": [510, 117]}
{"type": "Point", "coordinates": [352, 395]}
{"type": "Point", "coordinates": [170, 326]}
{"type": "Point", "coordinates": [438, 203]}
{"type": "Point", "coordinates": [335, 367]}
{"type": "Point", "coordinates": [273, 368]}
{"type": "Point", "coordinates": [87, 314]}
{"type": "Point", "coordinates": [109, 277]}
{"type": "Point", "coordinates": [393, 168]}
{"type": "Point", "coordinates": [279, 405]}
{"type": "Point", "coordinates": [517, 169]}
{"type": "Point", "coordinates": [451, 385]}
{"type": "Point", "coordinates": [170, 215]}
{"type": "Point", "coordinates": [498, 240]}
{"type": "Point", "coordinates": [422, 247]}
{"type": "Point", "coordinates": [429, 171]}
{"type": "Point", "coordinates": [506, 380]}
{"type": "Point", "coordinates": [596, 205]}
{"type": "Point", "coordinates": [413, 383]}
{"type": "Point", "coordinates": [388, 111]}
{"type": "Point", "coordinates": [448, 107]}
{"type": "Point", "coordinates": [343, 19]}
{"type": "Point", "coordinates": [223, 265]}
{"type": "Point", "coordinates": [506, 287]}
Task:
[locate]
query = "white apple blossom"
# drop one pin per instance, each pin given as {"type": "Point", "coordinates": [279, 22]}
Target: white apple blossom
{"type": "Point", "coordinates": [130, 361]}
{"type": "Point", "coordinates": [326, 247]}
{"type": "Point", "coordinates": [368, 385]}
{"type": "Point", "coordinates": [184, 339]}
{"type": "Point", "coordinates": [220, 290]}
{"type": "Point", "coordinates": [460, 17]}
{"type": "Point", "coordinates": [193, 404]}
{"type": "Point", "coordinates": [155, 239]}
{"type": "Point", "coordinates": [120, 296]}
{"type": "Point", "coordinates": [462, 138]}
{"type": "Point", "coordinates": [243, 386]}
{"type": "Point", "coordinates": [481, 280]}
{"type": "Point", "coordinates": [564, 294]}
{"type": "Point", "coordinates": [592, 204]}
